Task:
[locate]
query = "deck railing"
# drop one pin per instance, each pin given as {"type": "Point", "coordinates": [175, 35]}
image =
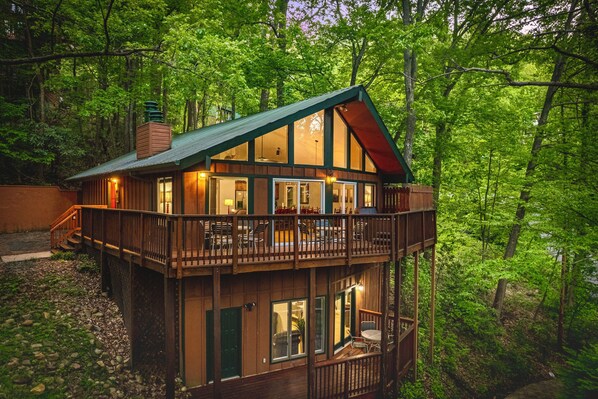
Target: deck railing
{"type": "Point", "coordinates": [66, 225]}
{"type": "Point", "coordinates": [189, 241]}
{"type": "Point", "coordinates": [359, 375]}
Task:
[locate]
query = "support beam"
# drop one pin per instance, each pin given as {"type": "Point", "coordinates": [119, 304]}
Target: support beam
{"type": "Point", "coordinates": [132, 312]}
{"type": "Point", "coordinates": [169, 335]}
{"type": "Point", "coordinates": [397, 326]}
{"type": "Point", "coordinates": [311, 347]}
{"type": "Point", "coordinates": [383, 327]}
{"type": "Point", "coordinates": [432, 303]}
{"type": "Point", "coordinates": [217, 334]}
{"type": "Point", "coordinates": [415, 310]}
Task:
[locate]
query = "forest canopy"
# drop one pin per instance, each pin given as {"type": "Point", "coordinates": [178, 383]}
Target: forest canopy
{"type": "Point", "coordinates": [492, 102]}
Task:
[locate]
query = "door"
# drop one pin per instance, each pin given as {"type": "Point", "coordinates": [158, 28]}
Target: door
{"type": "Point", "coordinates": [344, 317]}
{"type": "Point", "coordinates": [230, 332]}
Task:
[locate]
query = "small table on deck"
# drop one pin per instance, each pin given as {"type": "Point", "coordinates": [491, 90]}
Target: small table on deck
{"type": "Point", "coordinates": [373, 336]}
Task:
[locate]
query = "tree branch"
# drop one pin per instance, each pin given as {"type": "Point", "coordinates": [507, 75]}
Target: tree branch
{"type": "Point", "coordinates": [88, 54]}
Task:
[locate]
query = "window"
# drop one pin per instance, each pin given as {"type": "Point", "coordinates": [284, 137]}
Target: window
{"type": "Point", "coordinates": [369, 164]}
{"type": "Point", "coordinates": [289, 328]}
{"type": "Point", "coordinates": [238, 153]}
{"type": "Point", "coordinates": [369, 195]}
{"type": "Point", "coordinates": [165, 194]}
{"type": "Point", "coordinates": [298, 196]}
{"type": "Point", "coordinates": [339, 156]}
{"type": "Point", "coordinates": [356, 154]}
{"type": "Point", "coordinates": [343, 197]}
{"type": "Point", "coordinates": [227, 195]}
{"type": "Point", "coordinates": [273, 146]}
{"type": "Point", "coordinates": [309, 140]}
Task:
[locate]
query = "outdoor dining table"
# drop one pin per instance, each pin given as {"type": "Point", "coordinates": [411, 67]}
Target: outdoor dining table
{"type": "Point", "coordinates": [372, 338]}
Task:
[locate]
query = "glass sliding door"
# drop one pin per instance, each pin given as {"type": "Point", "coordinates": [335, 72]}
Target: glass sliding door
{"type": "Point", "coordinates": [344, 317]}
{"type": "Point", "coordinates": [295, 197]}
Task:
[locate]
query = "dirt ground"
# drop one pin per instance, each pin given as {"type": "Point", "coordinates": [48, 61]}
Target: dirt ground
{"type": "Point", "coordinates": [23, 243]}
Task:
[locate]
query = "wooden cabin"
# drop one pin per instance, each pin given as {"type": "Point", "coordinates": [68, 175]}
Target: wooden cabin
{"type": "Point", "coordinates": [246, 255]}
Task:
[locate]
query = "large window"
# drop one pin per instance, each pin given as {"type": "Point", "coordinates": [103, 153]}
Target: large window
{"type": "Point", "coordinates": [165, 194]}
{"type": "Point", "coordinates": [273, 146]}
{"type": "Point", "coordinates": [238, 153]}
{"type": "Point", "coordinates": [343, 197]}
{"type": "Point", "coordinates": [356, 154]}
{"type": "Point", "coordinates": [339, 156]}
{"type": "Point", "coordinates": [289, 328]}
{"type": "Point", "coordinates": [309, 139]}
{"type": "Point", "coordinates": [227, 195]}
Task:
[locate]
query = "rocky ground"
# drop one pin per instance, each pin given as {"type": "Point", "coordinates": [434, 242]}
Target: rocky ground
{"type": "Point", "coordinates": [61, 337]}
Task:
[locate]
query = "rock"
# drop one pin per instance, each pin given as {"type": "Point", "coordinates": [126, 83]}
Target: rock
{"type": "Point", "coordinates": [98, 351]}
{"type": "Point", "coordinates": [46, 315]}
{"type": "Point", "coordinates": [100, 363]}
{"type": "Point", "coordinates": [119, 358]}
{"type": "Point", "coordinates": [26, 362]}
{"type": "Point", "coordinates": [38, 389]}
{"type": "Point", "coordinates": [36, 346]}
{"type": "Point", "coordinates": [74, 355]}
{"type": "Point", "coordinates": [19, 336]}
{"type": "Point", "coordinates": [98, 314]}
{"type": "Point", "coordinates": [51, 366]}
{"type": "Point", "coordinates": [75, 366]}
{"type": "Point", "coordinates": [138, 379]}
{"type": "Point", "coordinates": [59, 380]}
{"type": "Point", "coordinates": [21, 379]}
{"type": "Point", "coordinates": [53, 356]}
{"type": "Point", "coordinates": [13, 362]}
{"type": "Point", "coordinates": [27, 323]}
{"type": "Point", "coordinates": [9, 321]}
{"type": "Point", "coordinates": [38, 355]}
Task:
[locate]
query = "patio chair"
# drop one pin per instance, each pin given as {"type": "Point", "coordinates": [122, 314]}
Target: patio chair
{"type": "Point", "coordinates": [368, 325]}
{"type": "Point", "coordinates": [309, 237]}
{"type": "Point", "coordinates": [359, 343]}
{"type": "Point", "coordinates": [359, 229]}
{"type": "Point", "coordinates": [221, 235]}
{"type": "Point", "coordinates": [255, 236]}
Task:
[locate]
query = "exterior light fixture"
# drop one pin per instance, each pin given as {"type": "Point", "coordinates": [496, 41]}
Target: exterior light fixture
{"type": "Point", "coordinates": [330, 178]}
{"type": "Point", "coordinates": [114, 180]}
{"type": "Point", "coordinates": [202, 175]}
{"type": "Point", "coordinates": [249, 306]}
{"type": "Point", "coordinates": [360, 286]}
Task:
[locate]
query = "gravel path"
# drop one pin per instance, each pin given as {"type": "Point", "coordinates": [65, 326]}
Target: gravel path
{"type": "Point", "coordinates": [22, 243]}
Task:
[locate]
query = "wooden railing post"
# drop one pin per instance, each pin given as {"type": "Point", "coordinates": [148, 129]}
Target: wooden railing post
{"type": "Point", "coordinates": [415, 311]}
{"type": "Point", "coordinates": [235, 234]}
{"type": "Point", "coordinates": [120, 234]}
{"type": "Point", "coordinates": [179, 252]}
{"type": "Point", "coordinates": [142, 240]}
{"type": "Point", "coordinates": [393, 237]}
{"type": "Point", "coordinates": [103, 230]}
{"type": "Point", "coordinates": [384, 327]}
{"type": "Point", "coordinates": [296, 240]}
{"type": "Point", "coordinates": [397, 325]}
{"type": "Point", "coordinates": [168, 254]}
{"type": "Point", "coordinates": [93, 245]}
{"type": "Point", "coordinates": [347, 378]}
{"type": "Point", "coordinates": [349, 239]}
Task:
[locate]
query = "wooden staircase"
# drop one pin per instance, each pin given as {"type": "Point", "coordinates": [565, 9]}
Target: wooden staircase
{"type": "Point", "coordinates": [65, 231]}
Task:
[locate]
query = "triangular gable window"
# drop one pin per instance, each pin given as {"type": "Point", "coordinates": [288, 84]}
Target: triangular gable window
{"type": "Point", "coordinates": [238, 153]}
{"type": "Point", "coordinates": [369, 164]}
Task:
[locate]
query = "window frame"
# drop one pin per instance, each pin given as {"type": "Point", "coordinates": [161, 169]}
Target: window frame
{"type": "Point", "coordinates": [289, 356]}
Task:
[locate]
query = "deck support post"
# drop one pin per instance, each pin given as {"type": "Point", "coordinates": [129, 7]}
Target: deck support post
{"type": "Point", "coordinates": [169, 334]}
{"type": "Point", "coordinates": [217, 331]}
{"type": "Point", "coordinates": [415, 311]}
{"type": "Point", "coordinates": [132, 311]}
{"type": "Point", "coordinates": [397, 326]}
{"type": "Point", "coordinates": [311, 347]}
{"type": "Point", "coordinates": [432, 302]}
{"type": "Point", "coordinates": [384, 328]}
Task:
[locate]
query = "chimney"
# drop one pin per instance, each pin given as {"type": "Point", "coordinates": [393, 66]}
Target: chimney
{"type": "Point", "coordinates": [154, 136]}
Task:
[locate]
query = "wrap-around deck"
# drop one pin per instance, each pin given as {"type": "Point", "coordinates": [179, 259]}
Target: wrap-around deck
{"type": "Point", "coordinates": [186, 245]}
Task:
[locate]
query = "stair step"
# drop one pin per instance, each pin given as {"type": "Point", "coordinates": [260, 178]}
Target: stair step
{"type": "Point", "coordinates": [74, 240]}
{"type": "Point", "coordinates": [67, 247]}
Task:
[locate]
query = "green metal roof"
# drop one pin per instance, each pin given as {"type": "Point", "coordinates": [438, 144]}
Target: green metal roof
{"type": "Point", "coordinates": [192, 147]}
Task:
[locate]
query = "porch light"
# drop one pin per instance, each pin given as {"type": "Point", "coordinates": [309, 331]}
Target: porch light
{"type": "Point", "coordinates": [330, 178]}
{"type": "Point", "coordinates": [360, 286]}
{"type": "Point", "coordinates": [114, 180]}
{"type": "Point", "coordinates": [202, 175]}
{"type": "Point", "coordinates": [228, 202]}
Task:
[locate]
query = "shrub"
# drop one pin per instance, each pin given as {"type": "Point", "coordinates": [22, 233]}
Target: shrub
{"type": "Point", "coordinates": [580, 376]}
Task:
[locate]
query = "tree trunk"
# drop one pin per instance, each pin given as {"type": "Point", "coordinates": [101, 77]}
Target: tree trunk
{"type": "Point", "coordinates": [525, 194]}
{"type": "Point", "coordinates": [563, 294]}
{"type": "Point", "coordinates": [281, 25]}
{"type": "Point", "coordinates": [264, 98]}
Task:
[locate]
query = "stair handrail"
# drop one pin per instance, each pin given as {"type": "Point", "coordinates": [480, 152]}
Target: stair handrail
{"type": "Point", "coordinates": [73, 213]}
{"type": "Point", "coordinates": [66, 214]}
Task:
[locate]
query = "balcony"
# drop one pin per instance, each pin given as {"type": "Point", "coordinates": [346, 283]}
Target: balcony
{"type": "Point", "coordinates": [187, 245]}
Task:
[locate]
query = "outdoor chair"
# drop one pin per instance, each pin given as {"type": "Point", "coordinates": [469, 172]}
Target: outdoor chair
{"type": "Point", "coordinates": [221, 235]}
{"type": "Point", "coordinates": [309, 237]}
{"type": "Point", "coordinates": [255, 236]}
{"type": "Point", "coordinates": [359, 230]}
{"type": "Point", "coordinates": [359, 343]}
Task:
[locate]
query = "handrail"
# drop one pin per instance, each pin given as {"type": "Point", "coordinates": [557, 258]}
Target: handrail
{"type": "Point", "coordinates": [182, 241]}
{"type": "Point", "coordinates": [69, 221]}
{"type": "Point", "coordinates": [62, 216]}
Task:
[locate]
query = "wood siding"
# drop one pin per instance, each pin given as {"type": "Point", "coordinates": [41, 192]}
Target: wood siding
{"type": "Point", "coordinates": [152, 138]}
{"type": "Point", "coordinates": [134, 193]}
{"type": "Point", "coordinates": [263, 289]}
